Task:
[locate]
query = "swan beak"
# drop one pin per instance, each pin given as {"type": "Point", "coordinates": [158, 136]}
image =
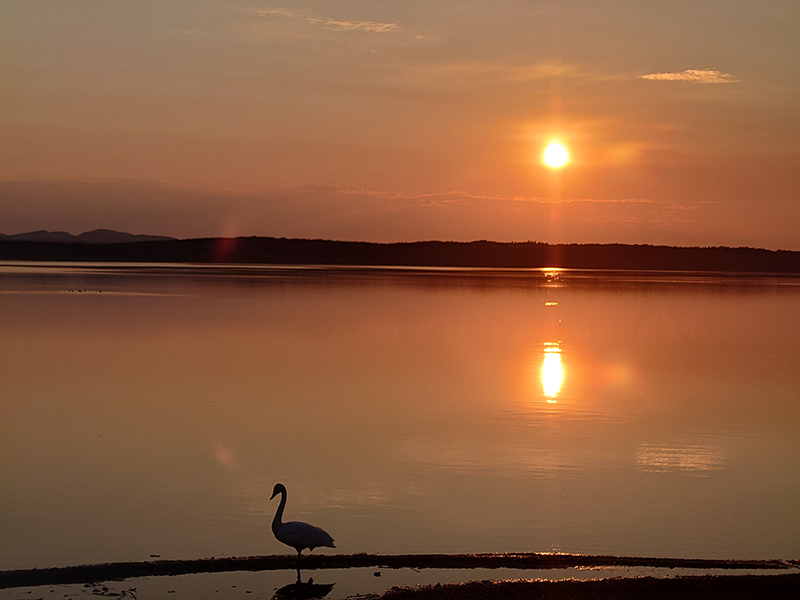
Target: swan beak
{"type": "Point", "coordinates": [274, 493]}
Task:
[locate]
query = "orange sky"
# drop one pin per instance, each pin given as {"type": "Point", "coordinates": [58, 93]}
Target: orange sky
{"type": "Point", "coordinates": [407, 120]}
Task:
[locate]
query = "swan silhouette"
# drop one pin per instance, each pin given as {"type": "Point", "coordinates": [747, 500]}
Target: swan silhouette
{"type": "Point", "coordinates": [296, 534]}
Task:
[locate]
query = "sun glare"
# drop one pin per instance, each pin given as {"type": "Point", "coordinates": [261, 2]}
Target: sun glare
{"type": "Point", "coordinates": [556, 155]}
{"type": "Point", "coordinates": [552, 372]}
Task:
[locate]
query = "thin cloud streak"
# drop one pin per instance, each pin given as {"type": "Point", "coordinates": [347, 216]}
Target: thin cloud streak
{"type": "Point", "coordinates": [329, 23]}
{"type": "Point", "coordinates": [351, 25]}
{"type": "Point", "coordinates": [304, 211]}
{"type": "Point", "coordinates": [693, 76]}
{"type": "Point", "coordinates": [459, 196]}
{"type": "Point", "coordinates": [465, 74]}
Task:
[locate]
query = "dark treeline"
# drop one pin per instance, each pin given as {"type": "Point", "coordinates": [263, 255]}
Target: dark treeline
{"type": "Point", "coordinates": [265, 250]}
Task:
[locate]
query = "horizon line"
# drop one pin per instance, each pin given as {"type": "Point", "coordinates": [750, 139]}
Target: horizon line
{"type": "Point", "coordinates": [166, 238]}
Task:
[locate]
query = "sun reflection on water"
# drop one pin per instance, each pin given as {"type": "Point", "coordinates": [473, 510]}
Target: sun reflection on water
{"type": "Point", "coordinates": [552, 371]}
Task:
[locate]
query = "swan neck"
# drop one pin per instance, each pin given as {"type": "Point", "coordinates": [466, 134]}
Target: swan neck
{"type": "Point", "coordinates": [279, 513]}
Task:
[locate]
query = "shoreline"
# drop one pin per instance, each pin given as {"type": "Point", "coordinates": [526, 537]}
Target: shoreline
{"type": "Point", "coordinates": [523, 561]}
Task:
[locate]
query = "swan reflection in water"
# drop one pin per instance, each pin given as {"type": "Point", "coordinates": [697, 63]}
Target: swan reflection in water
{"type": "Point", "coordinates": [552, 371]}
{"type": "Point", "coordinates": [300, 591]}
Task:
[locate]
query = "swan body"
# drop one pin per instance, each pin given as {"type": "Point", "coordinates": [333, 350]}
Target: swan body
{"type": "Point", "coordinates": [296, 534]}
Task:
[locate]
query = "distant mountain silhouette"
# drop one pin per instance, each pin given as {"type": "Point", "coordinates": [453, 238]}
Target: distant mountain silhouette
{"type": "Point", "coordinates": [98, 236]}
{"type": "Point", "coordinates": [479, 254]}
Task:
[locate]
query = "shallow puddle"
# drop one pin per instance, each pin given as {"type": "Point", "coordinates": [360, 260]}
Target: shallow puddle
{"type": "Point", "coordinates": [336, 584]}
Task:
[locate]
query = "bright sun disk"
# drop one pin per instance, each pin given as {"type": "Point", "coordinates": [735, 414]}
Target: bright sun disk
{"type": "Point", "coordinates": [555, 155]}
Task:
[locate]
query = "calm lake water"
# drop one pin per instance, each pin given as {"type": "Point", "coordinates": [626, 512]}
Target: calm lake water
{"type": "Point", "coordinates": [148, 410]}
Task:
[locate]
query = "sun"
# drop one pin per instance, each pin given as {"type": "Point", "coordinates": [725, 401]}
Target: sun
{"type": "Point", "coordinates": [555, 155]}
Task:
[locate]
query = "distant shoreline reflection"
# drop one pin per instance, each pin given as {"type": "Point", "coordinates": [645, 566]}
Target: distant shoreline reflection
{"type": "Point", "coordinates": [552, 371]}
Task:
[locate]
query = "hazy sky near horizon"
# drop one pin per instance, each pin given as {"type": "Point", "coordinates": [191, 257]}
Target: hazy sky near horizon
{"type": "Point", "coordinates": [401, 120]}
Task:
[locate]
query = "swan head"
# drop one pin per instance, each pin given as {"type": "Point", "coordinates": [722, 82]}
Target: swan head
{"type": "Point", "coordinates": [278, 489]}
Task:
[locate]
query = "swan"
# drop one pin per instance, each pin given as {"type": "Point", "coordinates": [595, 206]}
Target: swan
{"type": "Point", "coordinates": [294, 533]}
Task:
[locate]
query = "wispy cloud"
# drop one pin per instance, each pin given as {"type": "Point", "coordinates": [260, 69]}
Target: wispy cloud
{"type": "Point", "coordinates": [361, 214]}
{"type": "Point", "coordinates": [352, 25]}
{"type": "Point", "coordinates": [456, 197]}
{"type": "Point", "coordinates": [507, 72]}
{"type": "Point", "coordinates": [328, 23]}
{"type": "Point", "coordinates": [693, 76]}
{"type": "Point", "coordinates": [449, 75]}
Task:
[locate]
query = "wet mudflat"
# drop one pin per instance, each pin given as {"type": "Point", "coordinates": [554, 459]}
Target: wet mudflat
{"type": "Point", "coordinates": [729, 587]}
{"type": "Point", "coordinates": [518, 575]}
{"type": "Point", "coordinates": [126, 570]}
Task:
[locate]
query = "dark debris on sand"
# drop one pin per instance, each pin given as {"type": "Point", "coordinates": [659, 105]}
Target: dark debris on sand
{"type": "Point", "coordinates": [718, 587]}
